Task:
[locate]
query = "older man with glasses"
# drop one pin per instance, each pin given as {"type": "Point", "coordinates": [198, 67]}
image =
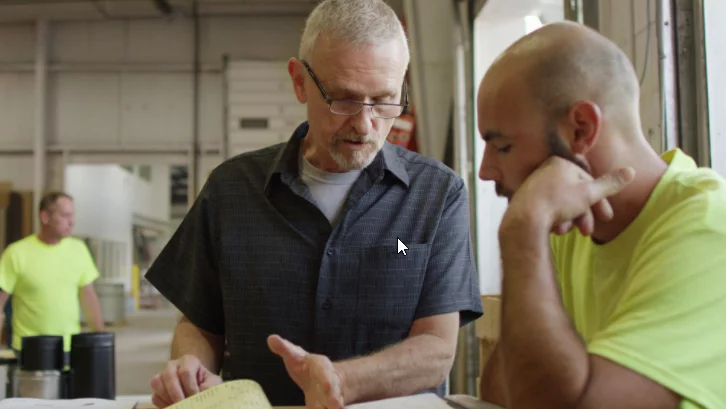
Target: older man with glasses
{"type": "Point", "coordinates": [334, 268]}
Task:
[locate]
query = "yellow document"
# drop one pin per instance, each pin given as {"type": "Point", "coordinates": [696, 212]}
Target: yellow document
{"type": "Point", "coordinates": [239, 394]}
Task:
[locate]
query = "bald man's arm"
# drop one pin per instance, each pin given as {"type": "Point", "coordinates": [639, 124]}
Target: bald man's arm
{"type": "Point", "coordinates": [492, 387]}
{"type": "Point", "coordinates": [546, 362]}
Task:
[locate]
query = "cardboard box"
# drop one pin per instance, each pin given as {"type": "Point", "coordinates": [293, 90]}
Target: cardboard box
{"type": "Point", "coordinates": [488, 327]}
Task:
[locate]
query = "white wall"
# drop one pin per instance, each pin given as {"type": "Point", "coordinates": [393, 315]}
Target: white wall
{"type": "Point", "coordinates": [101, 213]}
{"type": "Point", "coordinates": [104, 213]}
{"type": "Point", "coordinates": [715, 67]}
{"type": "Point", "coordinates": [152, 199]}
{"type": "Point", "coordinates": [126, 85]}
{"type": "Point", "coordinates": [129, 82]}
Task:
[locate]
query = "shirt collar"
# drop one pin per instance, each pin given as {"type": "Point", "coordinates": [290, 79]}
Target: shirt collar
{"type": "Point", "coordinates": [394, 163]}
{"type": "Point", "coordinates": [285, 163]}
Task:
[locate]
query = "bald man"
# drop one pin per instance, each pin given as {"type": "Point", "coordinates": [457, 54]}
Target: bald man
{"type": "Point", "coordinates": [614, 257]}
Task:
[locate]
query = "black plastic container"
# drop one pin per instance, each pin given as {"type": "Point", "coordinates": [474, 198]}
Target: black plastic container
{"type": "Point", "coordinates": [67, 384]}
{"type": "Point", "coordinates": [93, 366]}
{"type": "Point", "coordinates": [42, 353]}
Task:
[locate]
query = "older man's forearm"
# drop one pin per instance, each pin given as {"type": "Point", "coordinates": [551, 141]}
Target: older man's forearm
{"type": "Point", "coordinates": [192, 340]}
{"type": "Point", "coordinates": [418, 363]}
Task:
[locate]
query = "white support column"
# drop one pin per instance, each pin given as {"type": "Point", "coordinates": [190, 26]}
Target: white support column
{"type": "Point", "coordinates": [40, 117]}
{"type": "Point", "coordinates": [667, 74]}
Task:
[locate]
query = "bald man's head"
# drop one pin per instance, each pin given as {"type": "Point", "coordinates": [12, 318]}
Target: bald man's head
{"type": "Point", "coordinates": [565, 62]}
{"type": "Point", "coordinates": [561, 90]}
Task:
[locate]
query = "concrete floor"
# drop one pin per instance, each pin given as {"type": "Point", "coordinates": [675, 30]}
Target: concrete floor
{"type": "Point", "coordinates": [142, 349]}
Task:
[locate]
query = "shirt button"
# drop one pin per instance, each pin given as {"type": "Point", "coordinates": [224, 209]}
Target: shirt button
{"type": "Point", "coordinates": [330, 252]}
{"type": "Point", "coordinates": [327, 304]}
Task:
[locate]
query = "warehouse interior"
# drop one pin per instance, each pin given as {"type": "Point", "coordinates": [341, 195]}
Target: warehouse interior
{"type": "Point", "coordinates": [128, 105]}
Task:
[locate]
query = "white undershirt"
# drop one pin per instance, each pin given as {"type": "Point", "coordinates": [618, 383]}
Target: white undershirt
{"type": "Point", "coordinates": [330, 190]}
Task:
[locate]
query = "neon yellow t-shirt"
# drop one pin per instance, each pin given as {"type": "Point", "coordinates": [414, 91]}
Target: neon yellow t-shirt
{"type": "Point", "coordinates": [654, 298]}
{"type": "Point", "coordinates": [44, 281]}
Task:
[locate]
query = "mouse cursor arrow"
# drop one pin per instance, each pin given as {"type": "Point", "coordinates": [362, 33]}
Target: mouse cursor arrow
{"type": "Point", "coordinates": [401, 247]}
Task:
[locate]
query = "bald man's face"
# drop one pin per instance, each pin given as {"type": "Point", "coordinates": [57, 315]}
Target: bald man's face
{"type": "Point", "coordinates": [513, 130]}
{"type": "Point", "coordinates": [518, 136]}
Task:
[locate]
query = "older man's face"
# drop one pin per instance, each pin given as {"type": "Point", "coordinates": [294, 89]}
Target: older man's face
{"type": "Point", "coordinates": [368, 74]}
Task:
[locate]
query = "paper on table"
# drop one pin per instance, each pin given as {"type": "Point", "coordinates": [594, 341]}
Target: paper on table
{"type": "Point", "coordinates": [422, 401]}
{"type": "Point", "coordinates": [27, 403]}
{"type": "Point", "coordinates": [239, 394]}
{"type": "Point", "coordinates": [470, 402]}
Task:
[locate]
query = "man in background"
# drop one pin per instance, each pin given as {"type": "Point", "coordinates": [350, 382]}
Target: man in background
{"type": "Point", "coordinates": [47, 273]}
{"type": "Point", "coordinates": [624, 306]}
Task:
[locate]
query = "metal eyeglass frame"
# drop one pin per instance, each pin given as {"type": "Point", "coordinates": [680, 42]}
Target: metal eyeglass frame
{"type": "Point", "coordinates": [330, 101]}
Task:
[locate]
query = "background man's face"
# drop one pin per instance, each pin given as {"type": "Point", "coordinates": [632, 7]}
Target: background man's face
{"type": "Point", "coordinates": [59, 219]}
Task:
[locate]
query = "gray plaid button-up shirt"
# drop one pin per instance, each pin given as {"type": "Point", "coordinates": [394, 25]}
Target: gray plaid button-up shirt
{"type": "Point", "coordinates": [254, 256]}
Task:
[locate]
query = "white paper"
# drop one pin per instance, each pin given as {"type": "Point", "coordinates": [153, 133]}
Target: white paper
{"type": "Point", "coordinates": [29, 403]}
{"type": "Point", "coordinates": [470, 402]}
{"type": "Point", "coordinates": [422, 401]}
{"type": "Point", "coordinates": [239, 394]}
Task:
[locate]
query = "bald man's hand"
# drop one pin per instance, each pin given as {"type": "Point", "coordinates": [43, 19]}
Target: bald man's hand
{"type": "Point", "coordinates": [560, 195]}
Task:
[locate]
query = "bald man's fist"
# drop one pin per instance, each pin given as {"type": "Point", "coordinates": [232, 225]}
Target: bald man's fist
{"type": "Point", "coordinates": [560, 195]}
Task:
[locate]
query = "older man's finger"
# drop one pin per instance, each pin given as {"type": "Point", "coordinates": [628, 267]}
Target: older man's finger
{"type": "Point", "coordinates": [157, 385]}
{"type": "Point", "coordinates": [170, 379]}
{"type": "Point", "coordinates": [285, 348]}
{"type": "Point", "coordinates": [159, 402]}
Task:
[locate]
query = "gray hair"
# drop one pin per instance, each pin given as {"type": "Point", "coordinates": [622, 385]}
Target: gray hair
{"type": "Point", "coordinates": [356, 22]}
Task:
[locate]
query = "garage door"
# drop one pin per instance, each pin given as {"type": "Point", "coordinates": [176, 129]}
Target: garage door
{"type": "Point", "coordinates": [261, 106]}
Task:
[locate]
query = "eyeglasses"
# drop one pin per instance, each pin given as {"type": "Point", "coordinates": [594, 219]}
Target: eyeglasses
{"type": "Point", "coordinates": [349, 107]}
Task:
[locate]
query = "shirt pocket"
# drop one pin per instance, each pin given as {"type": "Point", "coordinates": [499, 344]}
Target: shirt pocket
{"type": "Point", "coordinates": [389, 287]}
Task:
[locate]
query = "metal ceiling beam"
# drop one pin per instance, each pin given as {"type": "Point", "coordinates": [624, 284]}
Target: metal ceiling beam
{"type": "Point", "coordinates": [14, 11]}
